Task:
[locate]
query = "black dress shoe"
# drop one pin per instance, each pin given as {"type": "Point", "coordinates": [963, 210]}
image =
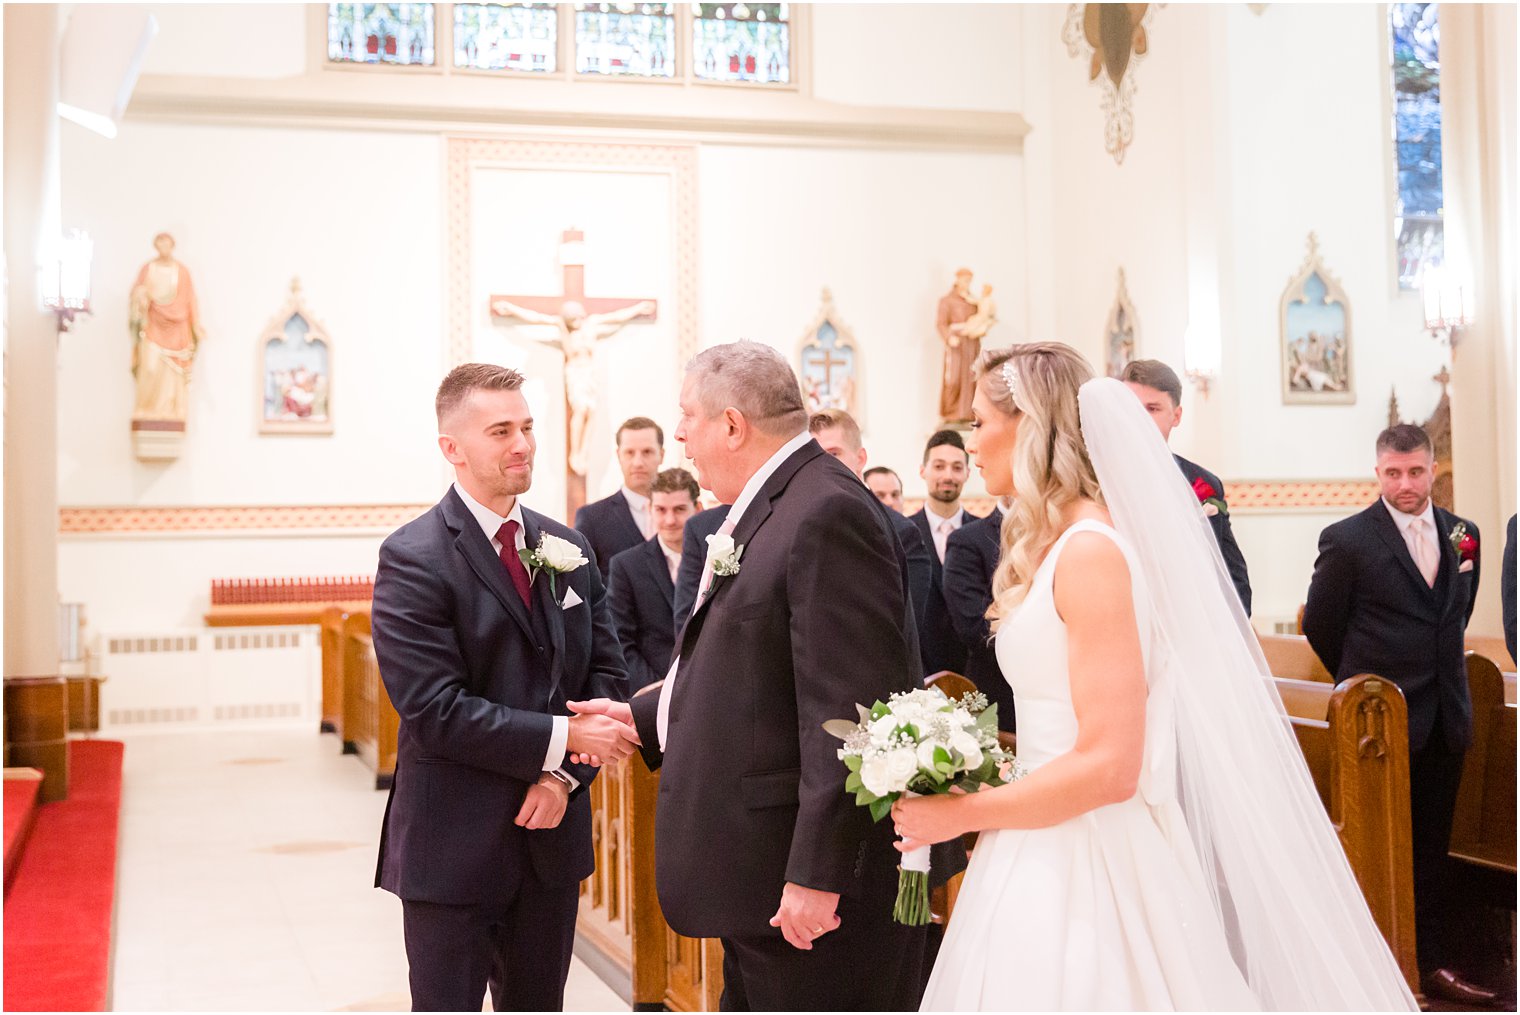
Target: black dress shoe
{"type": "Point", "coordinates": [1448, 986]}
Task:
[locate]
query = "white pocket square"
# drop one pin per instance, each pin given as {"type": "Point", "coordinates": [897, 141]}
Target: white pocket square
{"type": "Point", "coordinates": [571, 599]}
{"type": "Point", "coordinates": [1467, 565]}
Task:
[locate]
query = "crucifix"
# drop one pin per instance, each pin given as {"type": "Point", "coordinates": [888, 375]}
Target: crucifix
{"type": "Point", "coordinates": [580, 322]}
{"type": "Point", "coordinates": [828, 362]}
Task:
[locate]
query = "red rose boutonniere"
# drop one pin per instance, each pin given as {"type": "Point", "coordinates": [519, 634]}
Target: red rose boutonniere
{"type": "Point", "coordinates": [1213, 504]}
{"type": "Point", "coordinates": [1463, 542]}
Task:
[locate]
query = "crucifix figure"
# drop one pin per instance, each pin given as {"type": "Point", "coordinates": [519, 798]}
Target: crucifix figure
{"type": "Point", "coordinates": [580, 322]}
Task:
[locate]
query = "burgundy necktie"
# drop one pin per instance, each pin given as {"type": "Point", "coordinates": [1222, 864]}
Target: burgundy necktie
{"type": "Point", "coordinates": [507, 536]}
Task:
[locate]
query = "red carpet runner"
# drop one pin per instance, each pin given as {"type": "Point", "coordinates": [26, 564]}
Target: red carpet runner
{"type": "Point", "coordinates": [59, 912]}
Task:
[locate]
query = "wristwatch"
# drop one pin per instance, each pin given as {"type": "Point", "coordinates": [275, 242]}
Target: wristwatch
{"type": "Point", "coordinates": [563, 778]}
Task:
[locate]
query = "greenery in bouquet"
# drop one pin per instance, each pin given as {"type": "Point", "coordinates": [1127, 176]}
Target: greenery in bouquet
{"type": "Point", "coordinates": [916, 743]}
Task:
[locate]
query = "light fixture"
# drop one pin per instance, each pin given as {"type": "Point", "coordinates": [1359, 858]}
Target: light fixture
{"type": "Point", "coordinates": [1448, 305]}
{"type": "Point", "coordinates": [65, 281]}
{"type": "Point", "coordinates": [1200, 357]}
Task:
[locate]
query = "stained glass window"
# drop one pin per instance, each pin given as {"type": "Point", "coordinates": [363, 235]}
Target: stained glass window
{"type": "Point", "coordinates": [625, 39]}
{"type": "Point", "coordinates": [742, 42]}
{"type": "Point", "coordinates": [522, 36]}
{"type": "Point", "coordinates": [380, 33]}
{"type": "Point", "coordinates": [1418, 222]}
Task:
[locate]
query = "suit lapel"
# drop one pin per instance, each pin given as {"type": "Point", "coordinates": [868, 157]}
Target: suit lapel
{"type": "Point", "coordinates": [654, 560]}
{"type": "Point", "coordinates": [625, 517]}
{"type": "Point", "coordinates": [1382, 521]}
{"type": "Point", "coordinates": [476, 548]}
{"type": "Point", "coordinates": [544, 599]}
{"type": "Point", "coordinates": [1450, 561]}
{"type": "Point", "coordinates": [754, 517]}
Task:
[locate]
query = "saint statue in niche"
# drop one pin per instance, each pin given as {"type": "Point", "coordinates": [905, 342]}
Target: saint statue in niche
{"type": "Point", "coordinates": [962, 320]}
{"type": "Point", "coordinates": [578, 333]}
{"type": "Point", "coordinates": [166, 330]}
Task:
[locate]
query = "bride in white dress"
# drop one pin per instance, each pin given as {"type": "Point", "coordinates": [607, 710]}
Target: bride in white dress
{"type": "Point", "coordinates": [1167, 849]}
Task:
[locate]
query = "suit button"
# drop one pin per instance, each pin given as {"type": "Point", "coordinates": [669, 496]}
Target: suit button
{"type": "Point", "coordinates": [540, 650]}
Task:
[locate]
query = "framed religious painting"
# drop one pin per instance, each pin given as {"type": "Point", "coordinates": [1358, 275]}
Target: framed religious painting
{"type": "Point", "coordinates": [828, 364]}
{"type": "Point", "coordinates": [295, 371]}
{"type": "Point", "coordinates": [1121, 332]}
{"type": "Point", "coordinates": [1315, 336]}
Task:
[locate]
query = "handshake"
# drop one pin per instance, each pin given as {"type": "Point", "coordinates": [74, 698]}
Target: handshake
{"type": "Point", "coordinates": [601, 732]}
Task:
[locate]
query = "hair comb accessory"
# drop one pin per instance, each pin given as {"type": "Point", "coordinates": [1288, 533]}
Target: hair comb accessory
{"type": "Point", "coordinates": [1011, 380]}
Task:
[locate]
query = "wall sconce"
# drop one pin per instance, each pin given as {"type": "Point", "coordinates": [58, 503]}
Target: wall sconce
{"type": "Point", "coordinates": [66, 278]}
{"type": "Point", "coordinates": [1448, 305]}
{"type": "Point", "coordinates": [1200, 357]}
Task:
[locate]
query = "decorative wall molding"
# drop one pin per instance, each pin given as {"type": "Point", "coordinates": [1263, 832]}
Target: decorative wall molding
{"type": "Point", "coordinates": [1253, 497]}
{"type": "Point", "coordinates": [465, 154]}
{"type": "Point", "coordinates": [344, 519]}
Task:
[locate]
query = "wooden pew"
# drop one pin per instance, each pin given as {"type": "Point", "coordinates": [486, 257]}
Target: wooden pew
{"type": "Point", "coordinates": [1492, 648]}
{"type": "Point", "coordinates": [332, 670]}
{"type": "Point", "coordinates": [1483, 822]}
{"type": "Point", "coordinates": [621, 933]}
{"type": "Point", "coordinates": [370, 722]}
{"type": "Point", "coordinates": [1289, 655]}
{"type": "Point", "coordinates": [1355, 738]}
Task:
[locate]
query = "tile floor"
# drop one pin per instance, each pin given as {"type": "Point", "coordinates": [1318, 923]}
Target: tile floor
{"type": "Point", "coordinates": [244, 881]}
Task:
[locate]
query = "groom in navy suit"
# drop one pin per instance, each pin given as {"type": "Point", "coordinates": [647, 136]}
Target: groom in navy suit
{"type": "Point", "coordinates": [487, 833]}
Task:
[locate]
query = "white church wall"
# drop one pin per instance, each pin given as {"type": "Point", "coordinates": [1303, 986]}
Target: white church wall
{"type": "Point", "coordinates": [1233, 163]}
{"type": "Point", "coordinates": [885, 232]}
{"type": "Point", "coordinates": [228, 40]}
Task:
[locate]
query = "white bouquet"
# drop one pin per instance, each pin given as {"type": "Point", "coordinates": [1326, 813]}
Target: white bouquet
{"type": "Point", "coordinates": [920, 742]}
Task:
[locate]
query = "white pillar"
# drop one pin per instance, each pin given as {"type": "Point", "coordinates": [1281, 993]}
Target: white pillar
{"type": "Point", "coordinates": [1479, 169]}
{"type": "Point", "coordinates": [31, 209]}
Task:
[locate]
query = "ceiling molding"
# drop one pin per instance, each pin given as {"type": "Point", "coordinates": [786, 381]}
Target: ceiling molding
{"type": "Point", "coordinates": [412, 104]}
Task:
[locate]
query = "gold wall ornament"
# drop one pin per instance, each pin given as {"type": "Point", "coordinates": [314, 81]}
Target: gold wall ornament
{"type": "Point", "coordinates": [1315, 336]}
{"type": "Point", "coordinates": [1114, 36]}
{"type": "Point", "coordinates": [1121, 334]}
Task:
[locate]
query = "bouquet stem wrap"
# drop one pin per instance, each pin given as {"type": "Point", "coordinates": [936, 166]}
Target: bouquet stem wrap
{"type": "Point", "coordinates": [912, 908]}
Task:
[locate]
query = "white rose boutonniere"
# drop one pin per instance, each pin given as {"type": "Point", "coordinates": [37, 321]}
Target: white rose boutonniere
{"type": "Point", "coordinates": [554, 555]}
{"type": "Point", "coordinates": [723, 555]}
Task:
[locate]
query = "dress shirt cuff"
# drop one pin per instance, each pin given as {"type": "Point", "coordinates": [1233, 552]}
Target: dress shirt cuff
{"type": "Point", "coordinates": [571, 780]}
{"type": "Point", "coordinates": [558, 738]}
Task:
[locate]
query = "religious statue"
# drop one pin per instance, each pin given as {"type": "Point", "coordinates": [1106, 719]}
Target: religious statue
{"type": "Point", "coordinates": [166, 330]}
{"type": "Point", "coordinates": [962, 323]}
{"type": "Point", "coordinates": [578, 334]}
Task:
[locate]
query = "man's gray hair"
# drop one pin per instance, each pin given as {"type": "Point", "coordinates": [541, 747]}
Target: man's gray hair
{"type": "Point", "coordinates": [753, 378]}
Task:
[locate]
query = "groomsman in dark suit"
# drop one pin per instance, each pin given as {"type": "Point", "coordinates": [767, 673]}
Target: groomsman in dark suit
{"type": "Point", "coordinates": [642, 587]}
{"type": "Point", "coordinates": [1160, 391]}
{"type": "Point", "coordinates": [487, 832]}
{"type": "Point", "coordinates": [693, 555]}
{"type": "Point", "coordinates": [944, 471]}
{"type": "Point", "coordinates": [625, 519]}
{"type": "Point", "coordinates": [755, 841]}
{"type": "Point", "coordinates": [971, 556]}
{"type": "Point", "coordinates": [1392, 592]}
{"type": "Point", "coordinates": [839, 435]}
{"type": "Point", "coordinates": [886, 485]}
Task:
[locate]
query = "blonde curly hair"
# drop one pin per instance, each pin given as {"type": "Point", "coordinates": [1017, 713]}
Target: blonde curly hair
{"type": "Point", "coordinates": [1038, 383]}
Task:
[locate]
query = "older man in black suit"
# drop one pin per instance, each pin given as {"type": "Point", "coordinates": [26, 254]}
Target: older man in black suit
{"type": "Point", "coordinates": [487, 832]}
{"type": "Point", "coordinates": [971, 556]}
{"type": "Point", "coordinates": [641, 589]}
{"type": "Point", "coordinates": [1392, 592]}
{"type": "Point", "coordinates": [800, 616]}
{"type": "Point", "coordinates": [625, 519]}
{"type": "Point", "coordinates": [1160, 391]}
